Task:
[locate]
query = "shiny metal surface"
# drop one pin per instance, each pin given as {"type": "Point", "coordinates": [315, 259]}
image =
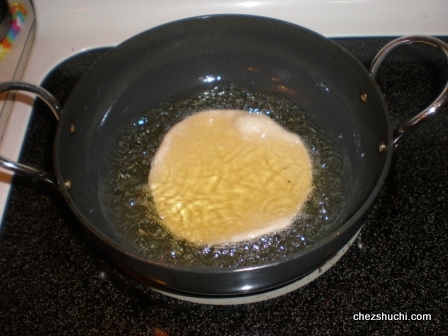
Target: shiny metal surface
{"type": "Point", "coordinates": [55, 107]}
{"type": "Point", "coordinates": [24, 170]}
{"type": "Point", "coordinates": [435, 106]}
{"type": "Point", "coordinates": [43, 94]}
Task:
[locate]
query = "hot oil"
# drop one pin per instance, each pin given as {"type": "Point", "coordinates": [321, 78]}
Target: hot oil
{"type": "Point", "coordinates": [134, 215]}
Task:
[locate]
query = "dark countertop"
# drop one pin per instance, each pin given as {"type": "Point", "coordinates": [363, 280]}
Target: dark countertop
{"type": "Point", "coordinates": [55, 281]}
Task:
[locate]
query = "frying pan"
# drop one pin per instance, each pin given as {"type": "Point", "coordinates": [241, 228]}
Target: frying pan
{"type": "Point", "coordinates": [336, 92]}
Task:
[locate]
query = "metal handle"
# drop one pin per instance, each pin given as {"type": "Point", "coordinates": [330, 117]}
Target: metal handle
{"type": "Point", "coordinates": [433, 108]}
{"type": "Point", "coordinates": [55, 107]}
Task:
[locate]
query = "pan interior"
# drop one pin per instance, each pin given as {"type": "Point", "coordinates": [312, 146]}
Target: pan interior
{"type": "Point", "coordinates": [175, 61]}
{"type": "Point", "coordinates": [134, 214]}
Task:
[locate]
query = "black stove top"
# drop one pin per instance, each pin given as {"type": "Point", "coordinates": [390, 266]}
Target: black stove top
{"type": "Point", "coordinates": [53, 280]}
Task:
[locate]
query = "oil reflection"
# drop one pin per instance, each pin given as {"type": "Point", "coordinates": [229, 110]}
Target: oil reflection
{"type": "Point", "coordinates": [284, 89]}
{"type": "Point", "coordinates": [210, 78]}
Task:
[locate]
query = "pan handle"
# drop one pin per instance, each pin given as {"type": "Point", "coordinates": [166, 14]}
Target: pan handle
{"type": "Point", "coordinates": [55, 107]}
{"type": "Point", "coordinates": [433, 108]}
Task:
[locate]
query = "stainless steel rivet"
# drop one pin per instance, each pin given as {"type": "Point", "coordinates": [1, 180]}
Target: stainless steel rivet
{"type": "Point", "coordinates": [72, 128]}
{"type": "Point", "coordinates": [67, 184]}
{"type": "Point", "coordinates": [382, 147]}
{"type": "Point", "coordinates": [363, 96]}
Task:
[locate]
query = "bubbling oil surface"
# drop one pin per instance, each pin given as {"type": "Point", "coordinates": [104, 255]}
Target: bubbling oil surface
{"type": "Point", "coordinates": [132, 211]}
